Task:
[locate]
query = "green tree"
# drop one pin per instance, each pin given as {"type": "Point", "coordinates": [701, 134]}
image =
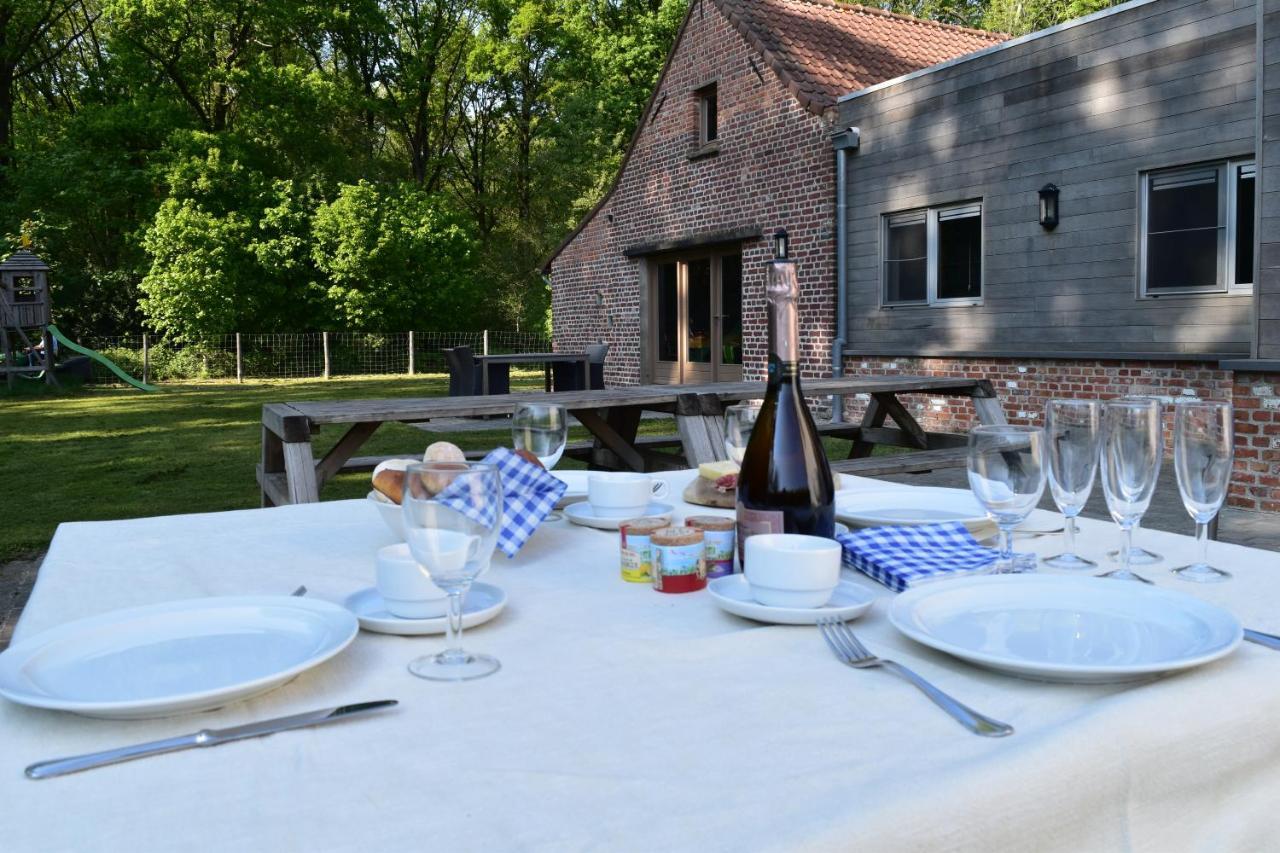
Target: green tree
{"type": "Point", "coordinates": [395, 258]}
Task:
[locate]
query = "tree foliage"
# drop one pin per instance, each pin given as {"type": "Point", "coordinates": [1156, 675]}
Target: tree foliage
{"type": "Point", "coordinates": [206, 166]}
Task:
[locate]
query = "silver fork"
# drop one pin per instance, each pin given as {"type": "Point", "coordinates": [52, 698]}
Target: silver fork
{"type": "Point", "coordinates": [850, 651]}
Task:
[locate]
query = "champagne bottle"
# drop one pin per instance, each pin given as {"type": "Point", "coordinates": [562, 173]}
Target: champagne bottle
{"type": "Point", "coordinates": [785, 482]}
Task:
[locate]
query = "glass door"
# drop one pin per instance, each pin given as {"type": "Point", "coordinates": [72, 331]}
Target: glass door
{"type": "Point", "coordinates": [697, 318]}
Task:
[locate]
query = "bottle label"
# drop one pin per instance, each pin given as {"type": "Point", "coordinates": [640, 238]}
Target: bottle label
{"type": "Point", "coordinates": [753, 521]}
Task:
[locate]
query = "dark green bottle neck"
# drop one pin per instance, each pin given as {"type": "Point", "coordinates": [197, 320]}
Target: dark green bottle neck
{"type": "Point", "coordinates": [783, 372]}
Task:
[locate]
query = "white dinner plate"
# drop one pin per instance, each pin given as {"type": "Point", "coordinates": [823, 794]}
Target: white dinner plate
{"type": "Point", "coordinates": [483, 602]}
{"type": "Point", "coordinates": [733, 593]}
{"type": "Point", "coordinates": [176, 657]}
{"type": "Point", "coordinates": [577, 483]}
{"type": "Point", "coordinates": [909, 506]}
{"type": "Point", "coordinates": [581, 513]}
{"type": "Point", "coordinates": [1056, 628]}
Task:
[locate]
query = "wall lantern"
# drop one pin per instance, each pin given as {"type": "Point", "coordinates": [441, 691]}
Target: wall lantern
{"type": "Point", "coordinates": [780, 243]}
{"type": "Point", "coordinates": [1049, 207]}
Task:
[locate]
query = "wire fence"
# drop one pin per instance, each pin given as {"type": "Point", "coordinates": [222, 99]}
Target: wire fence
{"type": "Point", "coordinates": [300, 355]}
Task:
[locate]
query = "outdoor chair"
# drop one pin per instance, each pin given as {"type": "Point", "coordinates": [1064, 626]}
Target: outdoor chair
{"type": "Point", "coordinates": [568, 377]}
{"type": "Point", "coordinates": [465, 377]}
{"type": "Point", "coordinates": [595, 355]}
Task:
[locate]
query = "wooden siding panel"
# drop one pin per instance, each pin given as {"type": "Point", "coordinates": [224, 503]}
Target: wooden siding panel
{"type": "Point", "coordinates": [1089, 109]}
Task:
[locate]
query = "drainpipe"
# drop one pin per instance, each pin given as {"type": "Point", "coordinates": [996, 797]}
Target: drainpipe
{"type": "Point", "coordinates": [844, 142]}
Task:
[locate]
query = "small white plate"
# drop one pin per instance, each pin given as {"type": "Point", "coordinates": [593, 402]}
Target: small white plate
{"type": "Point", "coordinates": [577, 483]}
{"type": "Point", "coordinates": [733, 593]}
{"type": "Point", "coordinates": [1060, 628]}
{"type": "Point", "coordinates": [483, 602]}
{"type": "Point", "coordinates": [582, 513]}
{"type": "Point", "coordinates": [174, 658]}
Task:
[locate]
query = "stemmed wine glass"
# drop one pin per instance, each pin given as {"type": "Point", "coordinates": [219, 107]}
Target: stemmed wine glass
{"type": "Point", "coordinates": [1006, 473]}
{"type": "Point", "coordinates": [1132, 447]}
{"type": "Point", "coordinates": [1138, 556]}
{"type": "Point", "coordinates": [452, 515]}
{"type": "Point", "coordinates": [1071, 433]}
{"type": "Point", "coordinates": [542, 429]}
{"type": "Point", "coordinates": [739, 421]}
{"type": "Point", "coordinates": [1202, 457]}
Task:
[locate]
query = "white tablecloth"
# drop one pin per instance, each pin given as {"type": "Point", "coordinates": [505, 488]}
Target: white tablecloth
{"type": "Point", "coordinates": [627, 719]}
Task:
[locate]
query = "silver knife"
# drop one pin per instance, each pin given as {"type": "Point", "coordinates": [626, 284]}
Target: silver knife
{"type": "Point", "coordinates": [202, 738]}
{"type": "Point", "coordinates": [1271, 641]}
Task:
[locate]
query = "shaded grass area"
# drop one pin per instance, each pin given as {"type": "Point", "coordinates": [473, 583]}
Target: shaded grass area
{"type": "Point", "coordinates": [112, 452]}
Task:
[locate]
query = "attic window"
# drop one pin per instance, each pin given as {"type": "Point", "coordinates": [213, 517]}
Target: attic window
{"type": "Point", "coordinates": [708, 118]}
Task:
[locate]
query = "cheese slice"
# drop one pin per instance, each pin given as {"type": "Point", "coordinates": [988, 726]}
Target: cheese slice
{"type": "Point", "coordinates": [716, 470]}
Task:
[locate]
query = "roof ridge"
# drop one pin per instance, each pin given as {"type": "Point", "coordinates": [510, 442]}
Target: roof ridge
{"type": "Point", "coordinates": [875, 10]}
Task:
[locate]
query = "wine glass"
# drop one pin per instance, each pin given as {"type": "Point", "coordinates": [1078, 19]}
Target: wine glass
{"type": "Point", "coordinates": [1071, 437]}
{"type": "Point", "coordinates": [1138, 556]}
{"type": "Point", "coordinates": [739, 421]}
{"type": "Point", "coordinates": [1132, 447]}
{"type": "Point", "coordinates": [452, 515]}
{"type": "Point", "coordinates": [1202, 457]}
{"type": "Point", "coordinates": [542, 429]}
{"type": "Point", "coordinates": [1006, 473]}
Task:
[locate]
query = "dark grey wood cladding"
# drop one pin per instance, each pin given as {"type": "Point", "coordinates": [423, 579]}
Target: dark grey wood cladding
{"type": "Point", "coordinates": [1268, 257]}
{"type": "Point", "coordinates": [1088, 108]}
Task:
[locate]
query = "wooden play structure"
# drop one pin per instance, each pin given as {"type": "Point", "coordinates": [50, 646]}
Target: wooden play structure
{"type": "Point", "coordinates": [25, 313]}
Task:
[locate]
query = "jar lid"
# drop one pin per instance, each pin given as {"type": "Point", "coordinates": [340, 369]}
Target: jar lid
{"type": "Point", "coordinates": [709, 522]}
{"type": "Point", "coordinates": [676, 536]}
{"type": "Point", "coordinates": [643, 526]}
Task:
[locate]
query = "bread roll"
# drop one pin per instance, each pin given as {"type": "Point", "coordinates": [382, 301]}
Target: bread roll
{"type": "Point", "coordinates": [444, 451]}
{"type": "Point", "coordinates": [528, 456]}
{"type": "Point", "coordinates": [389, 482]}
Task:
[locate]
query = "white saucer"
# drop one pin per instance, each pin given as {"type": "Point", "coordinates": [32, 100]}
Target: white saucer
{"type": "Point", "coordinates": [733, 593]}
{"type": "Point", "coordinates": [483, 602]}
{"type": "Point", "coordinates": [582, 513]}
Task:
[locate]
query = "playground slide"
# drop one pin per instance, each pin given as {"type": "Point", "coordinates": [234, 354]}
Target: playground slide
{"type": "Point", "coordinates": [101, 359]}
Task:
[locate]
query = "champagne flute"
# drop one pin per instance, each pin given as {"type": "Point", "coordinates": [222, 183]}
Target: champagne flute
{"type": "Point", "coordinates": [542, 429]}
{"type": "Point", "coordinates": [1007, 476]}
{"type": "Point", "coordinates": [1132, 448]}
{"type": "Point", "coordinates": [1071, 432]}
{"type": "Point", "coordinates": [1202, 457]}
{"type": "Point", "coordinates": [1138, 556]}
{"type": "Point", "coordinates": [452, 515]}
{"type": "Point", "coordinates": [739, 421]}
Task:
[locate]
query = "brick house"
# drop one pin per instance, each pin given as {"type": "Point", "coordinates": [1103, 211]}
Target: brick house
{"type": "Point", "coordinates": [907, 160]}
{"type": "Point", "coordinates": [735, 142]}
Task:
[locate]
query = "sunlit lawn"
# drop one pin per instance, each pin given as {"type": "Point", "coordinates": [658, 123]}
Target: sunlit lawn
{"type": "Point", "coordinates": [112, 452]}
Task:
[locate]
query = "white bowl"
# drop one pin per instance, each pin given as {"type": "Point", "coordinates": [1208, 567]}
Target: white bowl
{"type": "Point", "coordinates": [390, 512]}
{"type": "Point", "coordinates": [792, 570]}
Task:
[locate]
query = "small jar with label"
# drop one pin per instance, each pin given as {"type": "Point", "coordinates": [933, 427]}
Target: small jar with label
{"type": "Point", "coordinates": [637, 553]}
{"type": "Point", "coordinates": [679, 562]}
{"type": "Point", "coordinates": [718, 542]}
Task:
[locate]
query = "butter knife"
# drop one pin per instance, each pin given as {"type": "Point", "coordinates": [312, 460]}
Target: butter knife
{"type": "Point", "coordinates": [202, 738]}
{"type": "Point", "coordinates": [1271, 641]}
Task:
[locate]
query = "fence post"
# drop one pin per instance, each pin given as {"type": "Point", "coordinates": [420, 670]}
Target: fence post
{"type": "Point", "coordinates": [411, 353]}
{"type": "Point", "coordinates": [324, 339]}
{"type": "Point", "coordinates": [239, 362]}
{"type": "Point", "coordinates": [486, 342]}
{"type": "Point", "coordinates": [146, 359]}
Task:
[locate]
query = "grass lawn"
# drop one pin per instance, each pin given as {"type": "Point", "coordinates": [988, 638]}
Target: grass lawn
{"type": "Point", "coordinates": [113, 452]}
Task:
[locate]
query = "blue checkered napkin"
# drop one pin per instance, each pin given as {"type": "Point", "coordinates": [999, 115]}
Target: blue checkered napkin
{"type": "Point", "coordinates": [899, 557]}
{"type": "Point", "coordinates": [529, 492]}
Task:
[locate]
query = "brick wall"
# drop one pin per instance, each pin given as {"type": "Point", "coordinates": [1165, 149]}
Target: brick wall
{"type": "Point", "coordinates": [1025, 385]}
{"type": "Point", "coordinates": [775, 169]}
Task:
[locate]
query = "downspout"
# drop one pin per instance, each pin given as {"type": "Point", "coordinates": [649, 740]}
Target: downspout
{"type": "Point", "coordinates": [844, 142]}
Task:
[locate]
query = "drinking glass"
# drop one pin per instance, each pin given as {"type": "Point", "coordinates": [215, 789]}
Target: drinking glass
{"type": "Point", "coordinates": [739, 420]}
{"type": "Point", "coordinates": [1071, 436]}
{"type": "Point", "coordinates": [1007, 475]}
{"type": "Point", "coordinates": [452, 514]}
{"type": "Point", "coordinates": [1202, 457]}
{"type": "Point", "coordinates": [1132, 447]}
{"type": "Point", "coordinates": [542, 429]}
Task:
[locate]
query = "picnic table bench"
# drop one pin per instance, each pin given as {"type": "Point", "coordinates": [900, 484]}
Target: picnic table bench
{"type": "Point", "coordinates": [289, 472]}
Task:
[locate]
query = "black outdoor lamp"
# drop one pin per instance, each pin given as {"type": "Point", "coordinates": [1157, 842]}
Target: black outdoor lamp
{"type": "Point", "coordinates": [780, 243]}
{"type": "Point", "coordinates": [1049, 207]}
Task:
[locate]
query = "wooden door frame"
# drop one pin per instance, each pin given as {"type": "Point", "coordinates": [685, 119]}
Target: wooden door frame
{"type": "Point", "coordinates": [649, 279]}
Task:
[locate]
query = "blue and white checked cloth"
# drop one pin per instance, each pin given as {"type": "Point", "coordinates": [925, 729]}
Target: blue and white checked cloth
{"type": "Point", "coordinates": [901, 556]}
{"type": "Point", "coordinates": [529, 492]}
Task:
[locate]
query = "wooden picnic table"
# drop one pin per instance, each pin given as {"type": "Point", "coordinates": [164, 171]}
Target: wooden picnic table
{"type": "Point", "coordinates": [546, 359]}
{"type": "Point", "coordinates": [290, 473]}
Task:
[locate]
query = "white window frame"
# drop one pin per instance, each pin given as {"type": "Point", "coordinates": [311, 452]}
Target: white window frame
{"type": "Point", "coordinates": [1228, 230]}
{"type": "Point", "coordinates": [932, 216]}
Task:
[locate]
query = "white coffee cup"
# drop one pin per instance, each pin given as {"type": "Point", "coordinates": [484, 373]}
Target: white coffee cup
{"type": "Point", "coordinates": [405, 587]}
{"type": "Point", "coordinates": [791, 570]}
{"type": "Point", "coordinates": [620, 494]}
